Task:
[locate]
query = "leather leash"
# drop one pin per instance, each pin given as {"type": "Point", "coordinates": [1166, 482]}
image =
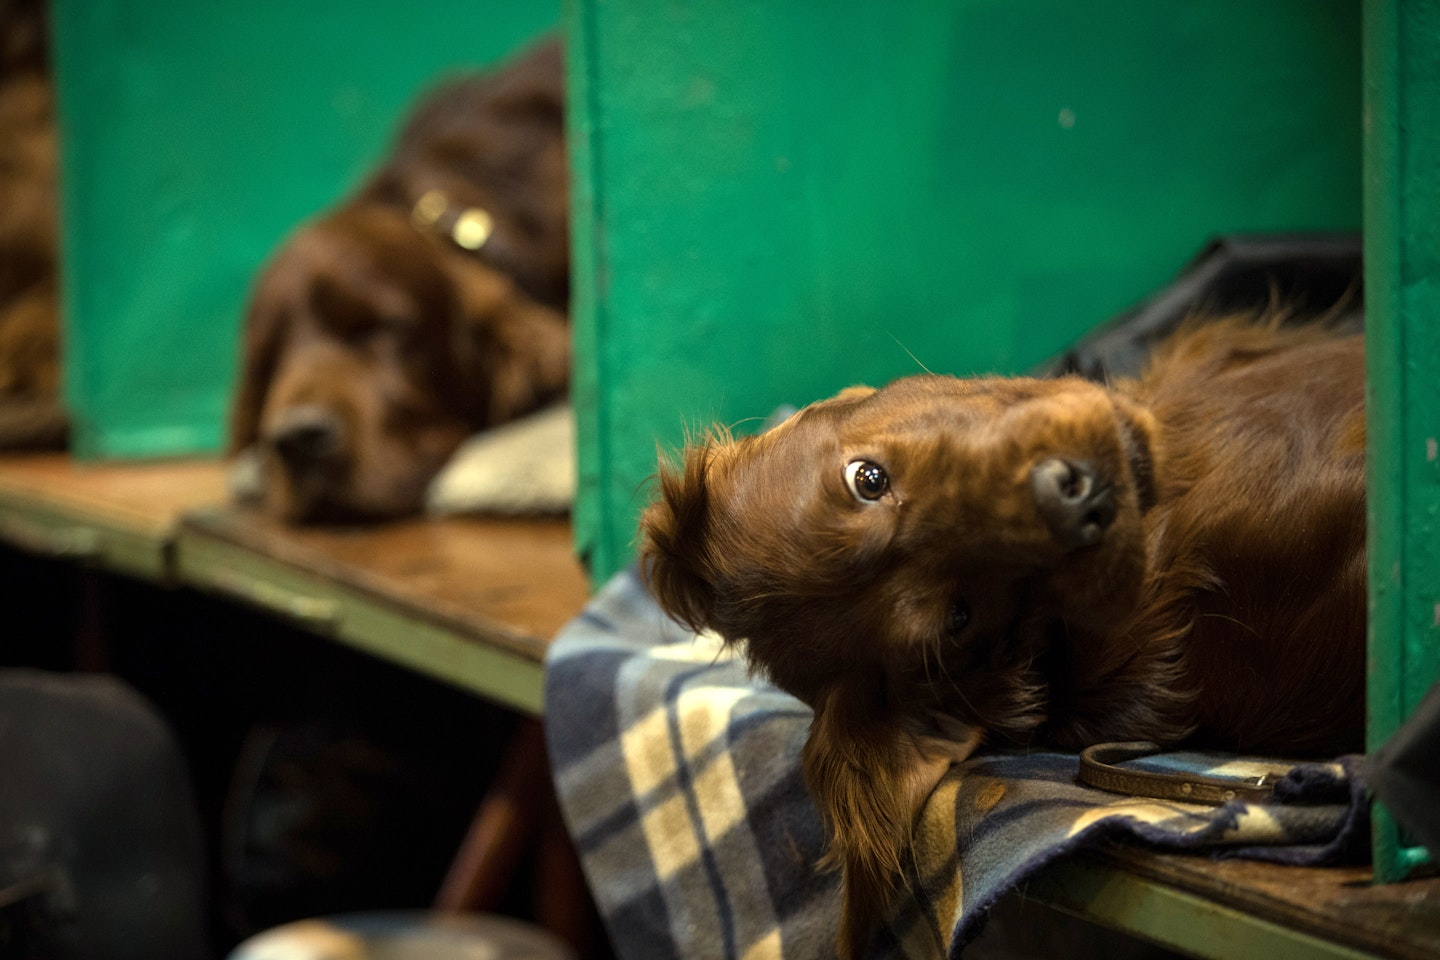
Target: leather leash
{"type": "Point", "coordinates": [1098, 769]}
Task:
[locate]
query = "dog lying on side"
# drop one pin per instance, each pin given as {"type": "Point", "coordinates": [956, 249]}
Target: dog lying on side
{"type": "Point", "coordinates": [430, 304]}
{"type": "Point", "coordinates": [1023, 561]}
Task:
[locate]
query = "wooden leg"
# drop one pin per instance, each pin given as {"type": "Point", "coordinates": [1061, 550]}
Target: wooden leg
{"type": "Point", "coordinates": [562, 902]}
{"type": "Point", "coordinates": [503, 828]}
{"type": "Point", "coordinates": [92, 649]}
{"type": "Point", "coordinates": [520, 815]}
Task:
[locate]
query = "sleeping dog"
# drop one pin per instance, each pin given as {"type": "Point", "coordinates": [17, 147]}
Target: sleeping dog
{"type": "Point", "coordinates": [1023, 561]}
{"type": "Point", "coordinates": [430, 304]}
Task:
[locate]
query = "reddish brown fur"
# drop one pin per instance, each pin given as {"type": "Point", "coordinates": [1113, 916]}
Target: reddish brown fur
{"type": "Point", "coordinates": [397, 342]}
{"type": "Point", "coordinates": [1224, 603]}
{"type": "Point", "coordinates": [31, 414]}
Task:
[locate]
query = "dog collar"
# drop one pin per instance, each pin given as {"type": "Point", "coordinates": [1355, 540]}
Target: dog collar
{"type": "Point", "coordinates": [1098, 768]}
{"type": "Point", "coordinates": [466, 227]}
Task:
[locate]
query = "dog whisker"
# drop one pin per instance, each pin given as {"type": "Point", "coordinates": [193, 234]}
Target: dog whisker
{"type": "Point", "coordinates": [911, 355]}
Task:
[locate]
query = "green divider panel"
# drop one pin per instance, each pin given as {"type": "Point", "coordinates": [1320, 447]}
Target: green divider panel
{"type": "Point", "coordinates": [1402, 300]}
{"type": "Point", "coordinates": [193, 137]}
{"type": "Point", "coordinates": [778, 199]}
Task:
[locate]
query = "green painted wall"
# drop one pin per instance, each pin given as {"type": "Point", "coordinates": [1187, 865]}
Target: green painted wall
{"type": "Point", "coordinates": [776, 199]}
{"type": "Point", "coordinates": [194, 136]}
{"type": "Point", "coordinates": [1402, 301]}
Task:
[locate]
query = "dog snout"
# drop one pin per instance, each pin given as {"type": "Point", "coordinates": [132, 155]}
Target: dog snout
{"type": "Point", "coordinates": [1074, 499]}
{"type": "Point", "coordinates": [308, 435]}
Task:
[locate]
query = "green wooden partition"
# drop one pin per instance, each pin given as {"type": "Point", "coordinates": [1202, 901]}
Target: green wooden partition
{"type": "Point", "coordinates": [194, 136]}
{"type": "Point", "coordinates": [1402, 300]}
{"type": "Point", "coordinates": [776, 199]}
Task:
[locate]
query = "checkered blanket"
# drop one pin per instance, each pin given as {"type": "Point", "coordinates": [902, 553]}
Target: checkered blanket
{"type": "Point", "coordinates": [679, 778]}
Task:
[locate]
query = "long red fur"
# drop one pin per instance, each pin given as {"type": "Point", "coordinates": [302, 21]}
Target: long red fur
{"type": "Point", "coordinates": [1224, 603]}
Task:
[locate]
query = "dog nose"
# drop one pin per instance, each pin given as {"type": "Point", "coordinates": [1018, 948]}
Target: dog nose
{"type": "Point", "coordinates": [307, 435]}
{"type": "Point", "coordinates": [1075, 502]}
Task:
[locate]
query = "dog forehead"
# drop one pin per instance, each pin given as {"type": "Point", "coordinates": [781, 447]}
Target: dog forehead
{"type": "Point", "coordinates": [786, 456]}
{"type": "Point", "coordinates": [989, 404]}
{"type": "Point", "coordinates": [344, 276]}
{"type": "Point", "coordinates": [920, 406]}
{"type": "Point", "coordinates": [981, 394]}
{"type": "Point", "coordinates": [800, 454]}
{"type": "Point", "coordinates": [368, 243]}
{"type": "Point", "coordinates": [807, 445]}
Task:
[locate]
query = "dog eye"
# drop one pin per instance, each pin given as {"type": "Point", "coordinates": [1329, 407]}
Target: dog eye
{"type": "Point", "coordinates": [959, 617]}
{"type": "Point", "coordinates": [866, 480]}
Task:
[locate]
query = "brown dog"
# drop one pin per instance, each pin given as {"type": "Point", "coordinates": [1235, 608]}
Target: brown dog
{"type": "Point", "coordinates": [31, 413]}
{"type": "Point", "coordinates": [1038, 561]}
{"type": "Point", "coordinates": [429, 305]}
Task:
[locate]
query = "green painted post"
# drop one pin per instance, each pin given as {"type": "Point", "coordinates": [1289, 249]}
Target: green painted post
{"type": "Point", "coordinates": [193, 137]}
{"type": "Point", "coordinates": [777, 199]}
{"type": "Point", "coordinates": [1402, 300]}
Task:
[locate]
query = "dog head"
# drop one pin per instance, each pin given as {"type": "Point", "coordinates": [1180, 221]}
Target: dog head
{"type": "Point", "coordinates": [907, 560]}
{"type": "Point", "coordinates": [938, 525]}
{"type": "Point", "coordinates": [371, 350]}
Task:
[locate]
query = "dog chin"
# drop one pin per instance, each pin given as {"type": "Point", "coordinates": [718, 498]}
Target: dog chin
{"type": "Point", "coordinates": [320, 509]}
{"type": "Point", "coordinates": [316, 499]}
{"type": "Point", "coordinates": [246, 478]}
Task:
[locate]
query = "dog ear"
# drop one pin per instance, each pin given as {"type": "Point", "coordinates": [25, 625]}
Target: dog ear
{"type": "Point", "coordinates": [1144, 450]}
{"type": "Point", "coordinates": [675, 547]}
{"type": "Point", "coordinates": [857, 392]}
{"type": "Point", "coordinates": [514, 353]}
{"type": "Point", "coordinates": [266, 319]}
{"type": "Point", "coordinates": [850, 780]}
{"type": "Point", "coordinates": [869, 776]}
{"type": "Point", "coordinates": [531, 367]}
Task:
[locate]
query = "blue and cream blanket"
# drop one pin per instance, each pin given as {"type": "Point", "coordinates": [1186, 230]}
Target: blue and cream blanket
{"type": "Point", "coordinates": [679, 778]}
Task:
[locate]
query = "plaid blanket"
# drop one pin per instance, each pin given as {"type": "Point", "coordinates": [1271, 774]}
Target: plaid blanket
{"type": "Point", "coordinates": [679, 778]}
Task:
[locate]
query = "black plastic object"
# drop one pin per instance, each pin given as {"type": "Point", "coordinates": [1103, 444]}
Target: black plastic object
{"type": "Point", "coordinates": [1307, 275]}
{"type": "Point", "coordinates": [100, 855]}
{"type": "Point", "coordinates": [1405, 775]}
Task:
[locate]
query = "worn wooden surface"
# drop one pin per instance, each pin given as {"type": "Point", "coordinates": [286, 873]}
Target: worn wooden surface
{"type": "Point", "coordinates": [118, 516]}
{"type": "Point", "coordinates": [145, 498]}
{"type": "Point", "coordinates": [510, 582]}
{"type": "Point", "coordinates": [1339, 904]}
{"type": "Point", "coordinates": [473, 601]}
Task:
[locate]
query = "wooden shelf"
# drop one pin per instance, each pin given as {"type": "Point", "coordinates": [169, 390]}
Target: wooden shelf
{"type": "Point", "coordinates": [121, 516]}
{"type": "Point", "coordinates": [1240, 909]}
{"type": "Point", "coordinates": [473, 602]}
{"type": "Point", "coordinates": [470, 601]}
